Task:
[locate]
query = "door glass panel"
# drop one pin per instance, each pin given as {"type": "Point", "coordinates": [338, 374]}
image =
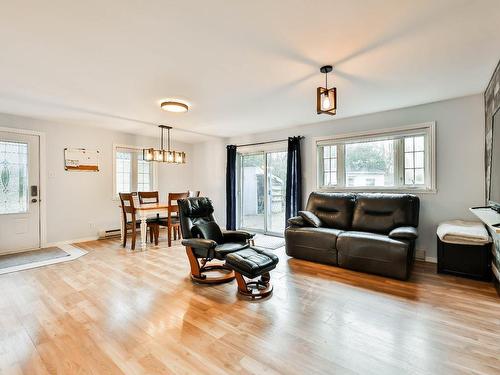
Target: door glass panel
{"type": "Point", "coordinates": [13, 177]}
{"type": "Point", "coordinates": [253, 192]}
{"type": "Point", "coordinates": [276, 191]}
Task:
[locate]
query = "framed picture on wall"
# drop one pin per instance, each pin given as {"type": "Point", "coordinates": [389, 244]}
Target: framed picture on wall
{"type": "Point", "coordinates": [81, 159]}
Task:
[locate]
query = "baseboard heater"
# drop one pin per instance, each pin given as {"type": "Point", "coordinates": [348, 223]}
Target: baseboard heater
{"type": "Point", "coordinates": [110, 233]}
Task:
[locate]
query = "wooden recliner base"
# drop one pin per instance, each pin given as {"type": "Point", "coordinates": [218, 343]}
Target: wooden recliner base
{"type": "Point", "coordinates": [254, 289]}
{"type": "Point", "coordinates": [202, 273]}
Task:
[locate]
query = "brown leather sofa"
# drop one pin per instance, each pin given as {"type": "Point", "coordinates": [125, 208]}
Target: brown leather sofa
{"type": "Point", "coordinates": [366, 232]}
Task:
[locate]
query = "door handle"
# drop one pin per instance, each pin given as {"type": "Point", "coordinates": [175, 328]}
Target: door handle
{"type": "Point", "coordinates": [34, 200]}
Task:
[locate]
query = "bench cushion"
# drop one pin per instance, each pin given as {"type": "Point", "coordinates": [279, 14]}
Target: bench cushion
{"type": "Point", "coordinates": [252, 262]}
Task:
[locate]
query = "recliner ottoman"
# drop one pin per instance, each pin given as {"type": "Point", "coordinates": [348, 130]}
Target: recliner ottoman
{"type": "Point", "coordinates": [253, 263]}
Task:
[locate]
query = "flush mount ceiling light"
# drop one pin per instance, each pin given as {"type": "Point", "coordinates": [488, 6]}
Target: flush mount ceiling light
{"type": "Point", "coordinates": [326, 99]}
{"type": "Point", "coordinates": [174, 106]}
{"type": "Point", "coordinates": [162, 155]}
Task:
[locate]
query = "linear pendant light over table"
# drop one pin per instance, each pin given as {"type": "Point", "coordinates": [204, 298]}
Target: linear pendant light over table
{"type": "Point", "coordinates": [162, 155]}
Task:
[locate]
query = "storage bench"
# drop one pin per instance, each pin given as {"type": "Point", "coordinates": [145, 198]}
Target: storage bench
{"type": "Point", "coordinates": [463, 249]}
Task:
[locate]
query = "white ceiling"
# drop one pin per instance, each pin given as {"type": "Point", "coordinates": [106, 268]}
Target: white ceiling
{"type": "Point", "coordinates": [245, 66]}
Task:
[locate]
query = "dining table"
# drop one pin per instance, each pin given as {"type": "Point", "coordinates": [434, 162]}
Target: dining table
{"type": "Point", "coordinates": [144, 211]}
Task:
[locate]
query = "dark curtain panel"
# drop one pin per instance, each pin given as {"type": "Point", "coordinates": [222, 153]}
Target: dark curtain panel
{"type": "Point", "coordinates": [231, 188]}
{"type": "Point", "coordinates": [293, 178]}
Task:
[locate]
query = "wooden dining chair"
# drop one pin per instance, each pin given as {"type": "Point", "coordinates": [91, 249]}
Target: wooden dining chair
{"type": "Point", "coordinates": [173, 223]}
{"type": "Point", "coordinates": [152, 197]}
{"type": "Point", "coordinates": [193, 193]}
{"type": "Point", "coordinates": [128, 208]}
{"type": "Point", "coordinates": [146, 197]}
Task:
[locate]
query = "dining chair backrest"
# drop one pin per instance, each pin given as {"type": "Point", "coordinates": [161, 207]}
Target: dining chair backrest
{"type": "Point", "coordinates": [193, 193]}
{"type": "Point", "coordinates": [146, 197]}
{"type": "Point", "coordinates": [173, 207]}
{"type": "Point", "coordinates": [128, 205]}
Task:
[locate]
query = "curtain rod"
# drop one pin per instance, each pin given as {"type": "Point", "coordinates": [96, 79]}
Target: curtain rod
{"type": "Point", "coordinates": [265, 143]}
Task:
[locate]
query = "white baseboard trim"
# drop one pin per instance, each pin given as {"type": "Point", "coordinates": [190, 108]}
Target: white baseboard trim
{"type": "Point", "coordinates": [69, 242]}
{"type": "Point", "coordinates": [420, 254]}
{"type": "Point", "coordinates": [431, 259]}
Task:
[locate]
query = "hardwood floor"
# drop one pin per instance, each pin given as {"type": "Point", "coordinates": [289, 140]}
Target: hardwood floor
{"type": "Point", "coordinates": [113, 312]}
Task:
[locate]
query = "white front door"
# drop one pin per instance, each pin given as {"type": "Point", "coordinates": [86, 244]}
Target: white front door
{"type": "Point", "coordinates": [19, 192]}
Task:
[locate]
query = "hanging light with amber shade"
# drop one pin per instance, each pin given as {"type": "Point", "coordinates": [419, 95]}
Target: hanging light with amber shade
{"type": "Point", "coordinates": [326, 99]}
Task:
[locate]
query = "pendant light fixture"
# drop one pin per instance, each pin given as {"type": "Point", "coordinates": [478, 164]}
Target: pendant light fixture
{"type": "Point", "coordinates": [162, 155]}
{"type": "Point", "coordinates": [326, 99]}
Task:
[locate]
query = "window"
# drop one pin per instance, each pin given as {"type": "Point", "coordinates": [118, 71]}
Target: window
{"type": "Point", "coordinates": [144, 174]}
{"type": "Point", "coordinates": [369, 163]}
{"type": "Point", "coordinates": [123, 171]}
{"type": "Point", "coordinates": [132, 172]}
{"type": "Point", "coordinates": [330, 165]}
{"type": "Point", "coordinates": [414, 160]}
{"type": "Point", "coordinates": [401, 159]}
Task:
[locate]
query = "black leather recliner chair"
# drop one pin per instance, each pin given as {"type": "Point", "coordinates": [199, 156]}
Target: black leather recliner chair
{"type": "Point", "coordinates": [205, 241]}
{"type": "Point", "coordinates": [373, 233]}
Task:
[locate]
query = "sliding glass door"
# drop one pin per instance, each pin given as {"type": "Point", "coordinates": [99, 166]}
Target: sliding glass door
{"type": "Point", "coordinates": [261, 192]}
{"type": "Point", "coordinates": [276, 191]}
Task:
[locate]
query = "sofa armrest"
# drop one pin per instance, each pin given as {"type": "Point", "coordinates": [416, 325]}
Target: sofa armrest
{"type": "Point", "coordinates": [237, 236]}
{"type": "Point", "coordinates": [199, 243]}
{"type": "Point", "coordinates": [404, 233]}
{"type": "Point", "coordinates": [296, 221]}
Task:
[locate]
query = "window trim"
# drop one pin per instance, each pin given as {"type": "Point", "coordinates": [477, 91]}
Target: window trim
{"type": "Point", "coordinates": [430, 162]}
{"type": "Point", "coordinates": [133, 147]}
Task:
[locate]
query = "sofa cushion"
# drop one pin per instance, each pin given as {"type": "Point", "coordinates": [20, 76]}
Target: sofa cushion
{"type": "Point", "coordinates": [381, 213]}
{"type": "Point", "coordinates": [335, 210]}
{"type": "Point", "coordinates": [311, 219]}
{"type": "Point", "coordinates": [315, 244]}
{"type": "Point", "coordinates": [374, 253]}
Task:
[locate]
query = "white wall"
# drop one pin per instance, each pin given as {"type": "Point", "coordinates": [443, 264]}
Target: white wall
{"type": "Point", "coordinates": [209, 174]}
{"type": "Point", "coordinates": [460, 157]}
{"type": "Point", "coordinates": [81, 203]}
{"type": "Point", "coordinates": [75, 200]}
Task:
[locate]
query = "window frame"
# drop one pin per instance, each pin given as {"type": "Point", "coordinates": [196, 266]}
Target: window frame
{"type": "Point", "coordinates": [427, 128]}
{"type": "Point", "coordinates": [134, 166]}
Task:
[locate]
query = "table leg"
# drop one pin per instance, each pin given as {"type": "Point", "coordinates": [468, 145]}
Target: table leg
{"type": "Point", "coordinates": [122, 229]}
{"type": "Point", "coordinates": [144, 238]}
